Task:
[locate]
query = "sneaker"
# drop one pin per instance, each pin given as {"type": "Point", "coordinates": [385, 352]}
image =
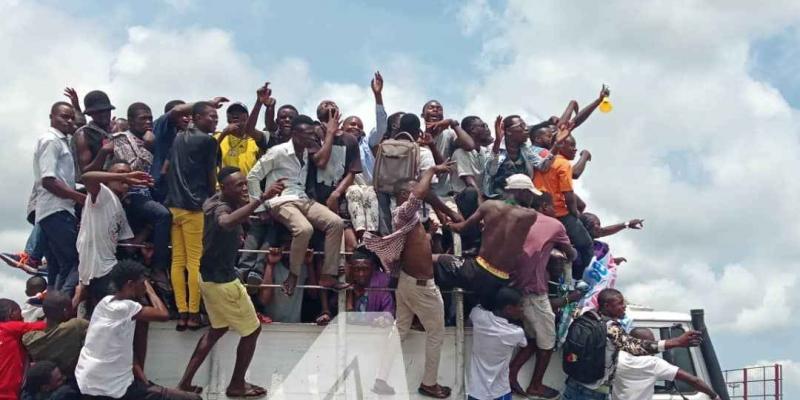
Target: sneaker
{"type": "Point", "coordinates": [253, 280]}
{"type": "Point", "coordinates": [18, 261]}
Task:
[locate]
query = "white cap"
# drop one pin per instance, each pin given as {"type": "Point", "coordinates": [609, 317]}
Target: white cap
{"type": "Point", "coordinates": [521, 182]}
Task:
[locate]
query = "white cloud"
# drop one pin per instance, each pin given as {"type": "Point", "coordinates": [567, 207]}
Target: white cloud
{"type": "Point", "coordinates": [685, 107]}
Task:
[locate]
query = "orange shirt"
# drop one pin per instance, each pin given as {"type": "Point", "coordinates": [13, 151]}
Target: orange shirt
{"type": "Point", "coordinates": [556, 181]}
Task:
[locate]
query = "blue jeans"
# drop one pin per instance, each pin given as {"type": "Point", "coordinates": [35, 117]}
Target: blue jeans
{"type": "Point", "coordinates": [60, 232]}
{"type": "Point", "coordinates": [36, 245]}
{"type": "Point", "coordinates": [143, 209]}
{"type": "Point", "coordinates": [575, 391]}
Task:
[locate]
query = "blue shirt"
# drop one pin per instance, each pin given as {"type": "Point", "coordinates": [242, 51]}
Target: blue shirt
{"type": "Point", "coordinates": [165, 130]}
{"type": "Point", "coordinates": [367, 158]}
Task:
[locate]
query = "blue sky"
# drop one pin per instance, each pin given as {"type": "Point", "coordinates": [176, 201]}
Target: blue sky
{"type": "Point", "coordinates": [702, 142]}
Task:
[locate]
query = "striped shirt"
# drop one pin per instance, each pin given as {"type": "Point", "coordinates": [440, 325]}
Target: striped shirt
{"type": "Point", "coordinates": [389, 248]}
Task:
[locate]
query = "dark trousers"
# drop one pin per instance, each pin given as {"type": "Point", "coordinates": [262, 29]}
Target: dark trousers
{"type": "Point", "coordinates": [582, 243]}
{"type": "Point", "coordinates": [450, 271]}
{"type": "Point", "coordinates": [467, 202]}
{"type": "Point", "coordinates": [60, 232]}
{"type": "Point", "coordinates": [261, 236]}
{"type": "Point", "coordinates": [384, 213]}
{"type": "Point", "coordinates": [142, 208]}
{"type": "Point", "coordinates": [143, 391]}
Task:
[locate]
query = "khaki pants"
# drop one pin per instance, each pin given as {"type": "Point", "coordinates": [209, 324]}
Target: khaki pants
{"type": "Point", "coordinates": [301, 217]}
{"type": "Point", "coordinates": [423, 298]}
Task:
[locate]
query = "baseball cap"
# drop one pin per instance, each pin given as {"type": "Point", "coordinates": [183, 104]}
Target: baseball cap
{"type": "Point", "coordinates": [238, 106]}
{"type": "Point", "coordinates": [521, 182]}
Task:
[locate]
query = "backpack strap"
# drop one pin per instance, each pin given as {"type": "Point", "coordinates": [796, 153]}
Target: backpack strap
{"type": "Point", "coordinates": [403, 134]}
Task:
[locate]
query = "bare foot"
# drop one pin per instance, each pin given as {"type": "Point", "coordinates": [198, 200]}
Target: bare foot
{"type": "Point", "coordinates": [289, 284]}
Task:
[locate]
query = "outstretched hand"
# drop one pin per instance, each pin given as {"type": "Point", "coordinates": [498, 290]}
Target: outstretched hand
{"type": "Point", "coordinates": [377, 83]}
{"type": "Point", "coordinates": [138, 178]}
{"type": "Point", "coordinates": [72, 95]}
{"type": "Point", "coordinates": [333, 123]}
{"type": "Point", "coordinates": [636, 224]}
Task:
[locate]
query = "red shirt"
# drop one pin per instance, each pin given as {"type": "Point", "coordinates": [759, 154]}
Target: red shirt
{"type": "Point", "coordinates": [531, 275]}
{"type": "Point", "coordinates": [12, 355]}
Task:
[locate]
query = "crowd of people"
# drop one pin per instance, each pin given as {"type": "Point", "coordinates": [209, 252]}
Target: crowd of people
{"type": "Point", "coordinates": [142, 219]}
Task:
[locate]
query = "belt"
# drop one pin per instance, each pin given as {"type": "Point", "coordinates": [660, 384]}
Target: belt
{"type": "Point", "coordinates": [497, 272]}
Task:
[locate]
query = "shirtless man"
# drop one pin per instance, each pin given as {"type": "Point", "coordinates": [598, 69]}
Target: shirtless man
{"type": "Point", "coordinates": [409, 246]}
{"type": "Point", "coordinates": [505, 226]}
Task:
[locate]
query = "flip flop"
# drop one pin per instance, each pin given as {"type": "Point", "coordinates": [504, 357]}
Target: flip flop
{"type": "Point", "coordinates": [250, 392]}
{"type": "Point", "coordinates": [548, 394]}
{"type": "Point", "coordinates": [437, 392]}
{"type": "Point", "coordinates": [192, 389]}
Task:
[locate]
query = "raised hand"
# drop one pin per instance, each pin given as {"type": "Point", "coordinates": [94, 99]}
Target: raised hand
{"type": "Point", "coordinates": [604, 92]}
{"type": "Point", "coordinates": [586, 154]}
{"type": "Point", "coordinates": [425, 139]}
{"type": "Point", "coordinates": [72, 95]}
{"type": "Point", "coordinates": [377, 83]}
{"type": "Point", "coordinates": [636, 224]}
{"type": "Point", "coordinates": [499, 129]}
{"type": "Point", "coordinates": [138, 178]}
{"type": "Point", "coordinates": [264, 94]}
{"type": "Point", "coordinates": [217, 101]}
{"type": "Point", "coordinates": [333, 123]}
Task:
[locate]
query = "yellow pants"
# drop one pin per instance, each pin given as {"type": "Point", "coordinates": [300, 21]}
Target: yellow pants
{"type": "Point", "coordinates": [187, 248]}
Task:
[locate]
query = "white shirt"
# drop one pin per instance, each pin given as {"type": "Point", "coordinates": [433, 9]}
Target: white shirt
{"type": "Point", "coordinates": [103, 225]}
{"type": "Point", "coordinates": [636, 376]}
{"type": "Point", "coordinates": [493, 343]}
{"type": "Point", "coordinates": [469, 163]}
{"type": "Point", "coordinates": [52, 158]}
{"type": "Point", "coordinates": [105, 365]}
{"type": "Point", "coordinates": [445, 142]}
{"type": "Point", "coordinates": [279, 162]}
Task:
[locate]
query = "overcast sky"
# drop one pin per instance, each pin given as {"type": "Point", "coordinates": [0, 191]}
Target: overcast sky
{"type": "Point", "coordinates": [702, 142]}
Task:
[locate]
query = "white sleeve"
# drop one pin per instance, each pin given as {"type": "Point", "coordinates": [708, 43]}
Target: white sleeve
{"type": "Point", "coordinates": [133, 308]}
{"type": "Point", "coordinates": [664, 371]}
{"type": "Point", "coordinates": [426, 161]}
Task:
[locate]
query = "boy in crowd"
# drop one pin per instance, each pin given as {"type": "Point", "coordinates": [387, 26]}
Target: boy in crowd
{"type": "Point", "coordinates": [44, 380]}
{"type": "Point", "coordinates": [62, 340]}
{"type": "Point", "coordinates": [12, 353]}
{"type": "Point", "coordinates": [35, 289]}
{"type": "Point", "coordinates": [494, 339]}
{"type": "Point", "coordinates": [105, 367]}
{"type": "Point", "coordinates": [363, 269]}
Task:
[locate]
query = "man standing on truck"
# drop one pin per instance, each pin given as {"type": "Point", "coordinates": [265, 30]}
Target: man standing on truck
{"type": "Point", "coordinates": [408, 246]}
{"type": "Point", "coordinates": [611, 309]}
{"type": "Point", "coordinates": [636, 377]}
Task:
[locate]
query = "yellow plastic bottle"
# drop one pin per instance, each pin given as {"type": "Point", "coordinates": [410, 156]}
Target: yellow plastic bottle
{"type": "Point", "coordinates": [605, 105]}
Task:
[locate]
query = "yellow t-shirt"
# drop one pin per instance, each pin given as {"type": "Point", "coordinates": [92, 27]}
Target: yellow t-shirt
{"type": "Point", "coordinates": [238, 152]}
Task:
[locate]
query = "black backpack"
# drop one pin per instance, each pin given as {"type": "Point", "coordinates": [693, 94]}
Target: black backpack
{"type": "Point", "coordinates": [584, 351]}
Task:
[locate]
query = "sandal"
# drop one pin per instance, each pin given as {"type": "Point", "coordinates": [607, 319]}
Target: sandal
{"type": "Point", "coordinates": [250, 392]}
{"type": "Point", "coordinates": [181, 325]}
{"type": "Point", "coordinates": [191, 389]}
{"type": "Point", "coordinates": [195, 323]}
{"type": "Point", "coordinates": [323, 319]}
{"type": "Point", "coordinates": [547, 393]}
{"type": "Point", "coordinates": [437, 391]}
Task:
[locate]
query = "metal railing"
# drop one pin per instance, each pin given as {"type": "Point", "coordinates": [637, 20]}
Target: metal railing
{"type": "Point", "coordinates": [759, 382]}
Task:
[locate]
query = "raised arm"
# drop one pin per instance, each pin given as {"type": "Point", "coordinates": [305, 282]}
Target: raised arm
{"type": "Point", "coordinates": [231, 220]}
{"type": "Point", "coordinates": [93, 179]}
{"type": "Point", "coordinates": [588, 110]}
{"type": "Point", "coordinates": [463, 139]}
{"type": "Point", "coordinates": [580, 165]}
{"type": "Point", "coordinates": [322, 156]}
{"type": "Point", "coordinates": [423, 187]}
{"type": "Point", "coordinates": [612, 229]}
{"type": "Point", "coordinates": [263, 97]}
{"type": "Point", "coordinates": [157, 311]}
{"type": "Point", "coordinates": [186, 109]}
{"type": "Point", "coordinates": [72, 95]}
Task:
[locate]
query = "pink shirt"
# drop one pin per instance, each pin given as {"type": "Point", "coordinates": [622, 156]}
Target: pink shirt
{"type": "Point", "coordinates": [531, 276]}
